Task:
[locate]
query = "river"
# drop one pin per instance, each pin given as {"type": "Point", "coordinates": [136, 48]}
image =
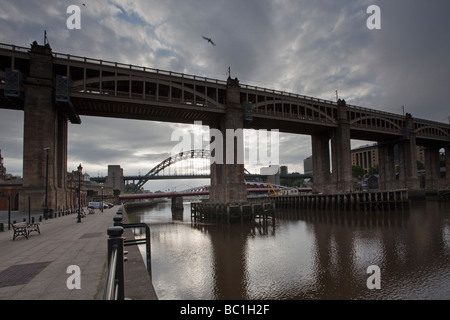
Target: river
{"type": "Point", "coordinates": [302, 255]}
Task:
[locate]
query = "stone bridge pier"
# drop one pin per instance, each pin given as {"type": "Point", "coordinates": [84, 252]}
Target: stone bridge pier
{"type": "Point", "coordinates": [227, 177]}
{"type": "Point", "coordinates": [405, 176]}
{"type": "Point", "coordinates": [433, 176]}
{"type": "Point", "coordinates": [45, 126]}
{"type": "Point", "coordinates": [339, 179]}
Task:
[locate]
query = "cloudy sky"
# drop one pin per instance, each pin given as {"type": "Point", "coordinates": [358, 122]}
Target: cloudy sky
{"type": "Point", "coordinates": [310, 47]}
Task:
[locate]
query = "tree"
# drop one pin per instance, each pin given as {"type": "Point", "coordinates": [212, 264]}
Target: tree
{"type": "Point", "coordinates": [358, 172]}
{"type": "Point", "coordinates": [374, 170]}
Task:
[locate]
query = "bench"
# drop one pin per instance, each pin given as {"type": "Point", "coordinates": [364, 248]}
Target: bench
{"type": "Point", "coordinates": [24, 229]}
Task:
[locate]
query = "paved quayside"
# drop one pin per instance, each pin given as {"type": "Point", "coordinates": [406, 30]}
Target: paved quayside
{"type": "Point", "coordinates": [37, 268]}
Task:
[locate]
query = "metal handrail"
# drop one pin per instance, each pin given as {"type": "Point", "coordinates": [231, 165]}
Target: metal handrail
{"type": "Point", "coordinates": [111, 285]}
{"type": "Point", "coordinates": [118, 221]}
{"type": "Point", "coordinates": [145, 241]}
{"type": "Point", "coordinates": [114, 289]}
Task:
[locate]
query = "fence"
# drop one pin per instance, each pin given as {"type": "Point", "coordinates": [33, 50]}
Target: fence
{"type": "Point", "coordinates": [115, 289]}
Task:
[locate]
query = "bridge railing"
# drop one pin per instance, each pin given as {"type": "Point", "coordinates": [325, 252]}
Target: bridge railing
{"type": "Point", "coordinates": [373, 111]}
{"type": "Point", "coordinates": [131, 67]}
{"type": "Point", "coordinates": [285, 94]}
{"type": "Point", "coordinates": [106, 63]}
{"type": "Point", "coordinates": [12, 47]}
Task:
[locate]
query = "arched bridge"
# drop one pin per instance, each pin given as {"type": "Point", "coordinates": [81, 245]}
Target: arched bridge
{"type": "Point", "coordinates": [111, 89]}
{"type": "Point", "coordinates": [54, 88]}
{"type": "Point", "coordinates": [169, 168]}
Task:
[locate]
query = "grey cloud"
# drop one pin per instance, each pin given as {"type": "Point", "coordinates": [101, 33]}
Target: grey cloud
{"type": "Point", "coordinates": [112, 141]}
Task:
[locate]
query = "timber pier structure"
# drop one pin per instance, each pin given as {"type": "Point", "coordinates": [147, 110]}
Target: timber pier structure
{"type": "Point", "coordinates": [265, 207]}
{"type": "Point", "coordinates": [233, 211]}
{"type": "Point", "coordinates": [378, 200]}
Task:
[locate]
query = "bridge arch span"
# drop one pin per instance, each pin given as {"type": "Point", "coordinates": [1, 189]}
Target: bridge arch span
{"type": "Point", "coordinates": [432, 131]}
{"type": "Point", "coordinates": [384, 123]}
{"type": "Point", "coordinates": [153, 88]}
{"type": "Point", "coordinates": [173, 159]}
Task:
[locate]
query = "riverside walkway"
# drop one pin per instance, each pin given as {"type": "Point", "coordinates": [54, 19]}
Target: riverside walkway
{"type": "Point", "coordinates": [37, 268]}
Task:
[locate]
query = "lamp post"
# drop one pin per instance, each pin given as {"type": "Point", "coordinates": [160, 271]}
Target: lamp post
{"type": "Point", "coordinates": [102, 197]}
{"type": "Point", "coordinates": [46, 188]}
{"type": "Point", "coordinates": [9, 210]}
{"type": "Point", "coordinates": [80, 168]}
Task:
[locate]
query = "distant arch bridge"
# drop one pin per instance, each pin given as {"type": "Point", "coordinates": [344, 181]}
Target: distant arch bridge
{"type": "Point", "coordinates": [168, 169]}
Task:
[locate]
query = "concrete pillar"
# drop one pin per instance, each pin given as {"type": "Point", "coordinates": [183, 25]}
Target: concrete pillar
{"type": "Point", "coordinates": [341, 152]}
{"type": "Point", "coordinates": [321, 163]}
{"type": "Point", "coordinates": [44, 127]}
{"type": "Point", "coordinates": [386, 165]}
{"type": "Point", "coordinates": [432, 168]}
{"type": "Point", "coordinates": [408, 176]}
{"type": "Point", "coordinates": [177, 203]}
{"type": "Point", "coordinates": [227, 179]}
{"type": "Point", "coordinates": [274, 178]}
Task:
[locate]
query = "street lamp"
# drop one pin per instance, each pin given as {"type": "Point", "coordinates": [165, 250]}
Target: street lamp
{"type": "Point", "coordinates": [102, 198]}
{"type": "Point", "coordinates": [46, 188]}
{"type": "Point", "coordinates": [80, 168]}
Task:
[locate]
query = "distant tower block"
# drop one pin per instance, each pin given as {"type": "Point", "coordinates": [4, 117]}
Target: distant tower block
{"type": "Point", "coordinates": [115, 178]}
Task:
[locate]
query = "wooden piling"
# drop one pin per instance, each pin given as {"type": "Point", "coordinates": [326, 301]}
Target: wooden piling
{"type": "Point", "coordinates": [366, 201]}
{"type": "Point", "coordinates": [232, 212]}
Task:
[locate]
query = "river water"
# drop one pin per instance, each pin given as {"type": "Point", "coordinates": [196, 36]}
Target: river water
{"type": "Point", "coordinates": [302, 255]}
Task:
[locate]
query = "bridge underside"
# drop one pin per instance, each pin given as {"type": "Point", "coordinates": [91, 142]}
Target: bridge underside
{"type": "Point", "coordinates": [155, 111]}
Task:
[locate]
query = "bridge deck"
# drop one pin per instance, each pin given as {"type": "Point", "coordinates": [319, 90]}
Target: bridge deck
{"type": "Point", "coordinates": [112, 89]}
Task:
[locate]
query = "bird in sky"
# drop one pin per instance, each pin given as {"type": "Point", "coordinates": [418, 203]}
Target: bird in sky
{"type": "Point", "coordinates": [209, 40]}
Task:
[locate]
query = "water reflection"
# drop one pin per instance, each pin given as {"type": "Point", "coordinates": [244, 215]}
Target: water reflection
{"type": "Point", "coordinates": [303, 255]}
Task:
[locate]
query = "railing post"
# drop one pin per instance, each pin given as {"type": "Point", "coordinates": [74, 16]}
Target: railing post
{"type": "Point", "coordinates": [118, 220]}
{"type": "Point", "coordinates": [115, 241]}
{"type": "Point", "coordinates": [148, 250]}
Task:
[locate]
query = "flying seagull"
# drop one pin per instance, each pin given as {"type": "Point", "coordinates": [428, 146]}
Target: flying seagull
{"type": "Point", "coordinates": [209, 40]}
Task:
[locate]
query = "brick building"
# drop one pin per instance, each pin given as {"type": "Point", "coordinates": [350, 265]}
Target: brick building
{"type": "Point", "coordinates": [10, 189]}
{"type": "Point", "coordinates": [366, 157]}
